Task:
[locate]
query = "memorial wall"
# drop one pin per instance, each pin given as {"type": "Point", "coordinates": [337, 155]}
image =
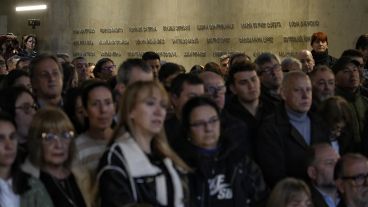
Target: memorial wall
{"type": "Point", "coordinates": [193, 31]}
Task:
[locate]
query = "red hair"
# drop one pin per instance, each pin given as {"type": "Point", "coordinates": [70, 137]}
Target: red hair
{"type": "Point", "coordinates": [319, 36]}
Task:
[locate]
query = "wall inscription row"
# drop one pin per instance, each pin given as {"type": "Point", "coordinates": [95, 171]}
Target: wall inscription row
{"type": "Point", "coordinates": [184, 42]}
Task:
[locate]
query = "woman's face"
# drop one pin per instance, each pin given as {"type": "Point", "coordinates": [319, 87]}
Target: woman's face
{"type": "Point", "coordinates": [320, 46]}
{"type": "Point", "coordinates": [204, 127]}
{"type": "Point", "coordinates": [31, 43]}
{"type": "Point", "coordinates": [302, 200]}
{"type": "Point", "coordinates": [100, 108]}
{"type": "Point", "coordinates": [55, 147]}
{"type": "Point", "coordinates": [24, 81]}
{"type": "Point", "coordinates": [78, 109]}
{"type": "Point", "coordinates": [8, 144]}
{"type": "Point", "coordinates": [148, 115]}
{"type": "Point", "coordinates": [25, 108]}
{"type": "Point", "coordinates": [108, 70]}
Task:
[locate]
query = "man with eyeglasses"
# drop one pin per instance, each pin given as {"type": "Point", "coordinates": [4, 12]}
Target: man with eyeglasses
{"type": "Point", "coordinates": [351, 176]}
{"type": "Point", "coordinates": [348, 81]}
{"type": "Point", "coordinates": [284, 137]}
{"type": "Point", "coordinates": [321, 161]}
{"type": "Point", "coordinates": [231, 127]}
{"type": "Point", "coordinates": [81, 65]}
{"type": "Point", "coordinates": [270, 75]}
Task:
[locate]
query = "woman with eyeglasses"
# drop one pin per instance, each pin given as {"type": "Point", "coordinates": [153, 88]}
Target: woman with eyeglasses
{"type": "Point", "coordinates": [105, 69]}
{"type": "Point", "coordinates": [20, 104]}
{"type": "Point", "coordinates": [16, 187]}
{"type": "Point", "coordinates": [139, 167]}
{"type": "Point", "coordinates": [51, 138]}
{"type": "Point", "coordinates": [223, 176]}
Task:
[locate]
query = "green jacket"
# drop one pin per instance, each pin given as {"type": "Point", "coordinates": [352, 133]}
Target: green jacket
{"type": "Point", "coordinates": [36, 196]}
{"type": "Point", "coordinates": [359, 106]}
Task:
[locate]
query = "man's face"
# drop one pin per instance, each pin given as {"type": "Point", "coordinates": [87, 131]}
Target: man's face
{"type": "Point", "coordinates": [348, 78]}
{"type": "Point", "coordinates": [48, 80]}
{"type": "Point", "coordinates": [355, 185]}
{"type": "Point", "coordinates": [155, 66]}
{"type": "Point", "coordinates": [216, 89]}
{"type": "Point", "coordinates": [307, 61]}
{"type": "Point", "coordinates": [271, 74]}
{"type": "Point", "coordinates": [82, 69]}
{"type": "Point", "coordinates": [189, 91]}
{"type": "Point", "coordinates": [365, 55]}
{"type": "Point", "coordinates": [298, 94]}
{"type": "Point", "coordinates": [324, 166]}
{"type": "Point", "coordinates": [224, 66]}
{"type": "Point", "coordinates": [246, 86]}
{"type": "Point", "coordinates": [323, 85]}
{"type": "Point", "coordinates": [138, 74]}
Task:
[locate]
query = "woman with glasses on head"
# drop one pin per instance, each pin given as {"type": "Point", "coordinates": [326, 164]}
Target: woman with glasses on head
{"type": "Point", "coordinates": [20, 104]}
{"type": "Point", "coordinates": [223, 176]}
{"type": "Point", "coordinates": [105, 69]}
{"type": "Point", "coordinates": [139, 167]}
{"type": "Point", "coordinates": [16, 187]}
{"type": "Point", "coordinates": [51, 138]}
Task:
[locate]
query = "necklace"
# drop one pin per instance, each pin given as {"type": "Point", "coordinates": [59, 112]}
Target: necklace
{"type": "Point", "coordinates": [63, 187]}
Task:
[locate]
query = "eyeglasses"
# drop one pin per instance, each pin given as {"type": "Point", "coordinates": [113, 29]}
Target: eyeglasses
{"type": "Point", "coordinates": [358, 180]}
{"type": "Point", "coordinates": [108, 68]}
{"type": "Point", "coordinates": [274, 68]}
{"type": "Point", "coordinates": [27, 108]}
{"type": "Point", "coordinates": [202, 124]}
{"type": "Point", "coordinates": [82, 65]}
{"type": "Point", "coordinates": [215, 90]}
{"type": "Point", "coordinates": [2, 63]}
{"type": "Point", "coordinates": [49, 137]}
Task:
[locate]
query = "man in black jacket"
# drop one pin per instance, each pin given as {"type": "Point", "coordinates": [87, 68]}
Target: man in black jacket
{"type": "Point", "coordinates": [284, 137]}
{"type": "Point", "coordinates": [321, 161]}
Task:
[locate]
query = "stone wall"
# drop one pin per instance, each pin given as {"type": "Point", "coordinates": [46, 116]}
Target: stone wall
{"type": "Point", "coordinates": [191, 31]}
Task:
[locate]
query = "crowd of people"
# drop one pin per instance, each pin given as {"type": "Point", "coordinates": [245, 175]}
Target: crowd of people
{"type": "Point", "coordinates": [240, 132]}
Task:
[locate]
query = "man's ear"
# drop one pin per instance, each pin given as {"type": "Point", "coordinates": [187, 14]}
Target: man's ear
{"type": "Point", "coordinates": [231, 86]}
{"type": "Point", "coordinates": [340, 185]}
{"type": "Point", "coordinates": [312, 172]}
{"type": "Point", "coordinates": [174, 99]}
{"type": "Point", "coordinates": [120, 88]}
{"type": "Point", "coordinates": [283, 93]}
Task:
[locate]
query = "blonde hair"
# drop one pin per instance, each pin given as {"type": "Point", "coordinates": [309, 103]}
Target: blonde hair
{"type": "Point", "coordinates": [132, 95]}
{"type": "Point", "coordinates": [286, 190]}
{"type": "Point", "coordinates": [49, 119]}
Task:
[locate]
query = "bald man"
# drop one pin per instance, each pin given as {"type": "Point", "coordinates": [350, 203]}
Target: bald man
{"type": "Point", "coordinates": [306, 58]}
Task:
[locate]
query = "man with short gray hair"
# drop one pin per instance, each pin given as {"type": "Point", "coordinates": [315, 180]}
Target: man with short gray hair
{"type": "Point", "coordinates": [284, 137]}
{"type": "Point", "coordinates": [130, 71]}
{"type": "Point", "coordinates": [351, 175]}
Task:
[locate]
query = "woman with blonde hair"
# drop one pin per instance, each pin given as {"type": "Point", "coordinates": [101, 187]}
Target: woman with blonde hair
{"type": "Point", "coordinates": [139, 166]}
{"type": "Point", "coordinates": [51, 138]}
{"type": "Point", "coordinates": [290, 192]}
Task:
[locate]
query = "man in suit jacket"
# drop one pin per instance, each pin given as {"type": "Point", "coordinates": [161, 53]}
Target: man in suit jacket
{"type": "Point", "coordinates": [284, 137]}
{"type": "Point", "coordinates": [321, 161]}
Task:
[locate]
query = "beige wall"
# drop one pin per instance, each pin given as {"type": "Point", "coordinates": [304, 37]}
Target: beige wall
{"type": "Point", "coordinates": [79, 27]}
